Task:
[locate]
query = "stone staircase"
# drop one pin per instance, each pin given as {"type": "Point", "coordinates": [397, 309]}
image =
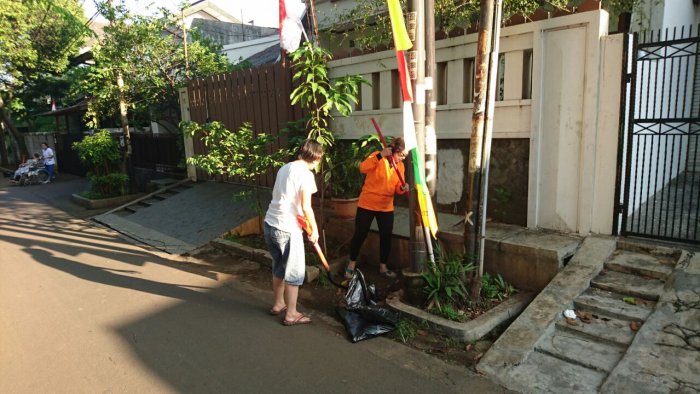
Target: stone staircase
{"type": "Point", "coordinates": [579, 355]}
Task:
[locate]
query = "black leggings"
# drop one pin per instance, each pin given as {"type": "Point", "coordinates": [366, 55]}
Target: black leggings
{"type": "Point", "coordinates": [363, 221]}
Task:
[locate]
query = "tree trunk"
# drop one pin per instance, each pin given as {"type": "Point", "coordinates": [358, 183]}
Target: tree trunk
{"type": "Point", "coordinates": [3, 149]}
{"type": "Point", "coordinates": [18, 138]}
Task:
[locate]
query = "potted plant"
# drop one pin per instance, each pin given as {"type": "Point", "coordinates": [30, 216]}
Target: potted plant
{"type": "Point", "coordinates": [343, 176]}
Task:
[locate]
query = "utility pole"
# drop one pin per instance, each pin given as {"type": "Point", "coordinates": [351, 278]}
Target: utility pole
{"type": "Point", "coordinates": [482, 130]}
{"type": "Point", "coordinates": [416, 70]}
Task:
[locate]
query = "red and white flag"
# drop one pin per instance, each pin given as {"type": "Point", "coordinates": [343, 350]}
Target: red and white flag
{"type": "Point", "coordinates": [291, 12]}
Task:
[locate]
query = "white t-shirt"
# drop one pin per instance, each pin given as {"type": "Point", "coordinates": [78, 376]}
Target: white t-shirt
{"type": "Point", "coordinates": [292, 179]}
{"type": "Point", "coordinates": [48, 156]}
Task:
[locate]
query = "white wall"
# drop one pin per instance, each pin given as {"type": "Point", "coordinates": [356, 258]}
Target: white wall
{"type": "Point", "coordinates": [571, 118]}
{"type": "Point", "coordinates": [188, 142]}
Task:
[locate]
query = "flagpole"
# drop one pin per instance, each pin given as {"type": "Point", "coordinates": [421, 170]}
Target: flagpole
{"type": "Point", "coordinates": [416, 22]}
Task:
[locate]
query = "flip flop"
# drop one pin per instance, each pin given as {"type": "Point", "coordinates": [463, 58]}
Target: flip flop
{"type": "Point", "coordinates": [275, 313]}
{"type": "Point", "coordinates": [297, 321]}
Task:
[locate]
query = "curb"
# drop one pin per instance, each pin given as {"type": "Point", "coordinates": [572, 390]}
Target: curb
{"type": "Point", "coordinates": [263, 257]}
{"type": "Point", "coordinates": [468, 331]}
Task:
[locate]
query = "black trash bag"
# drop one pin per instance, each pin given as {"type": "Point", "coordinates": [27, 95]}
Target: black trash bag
{"type": "Point", "coordinates": [362, 317]}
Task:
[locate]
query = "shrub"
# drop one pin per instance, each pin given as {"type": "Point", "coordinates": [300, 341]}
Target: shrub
{"type": "Point", "coordinates": [495, 287]}
{"type": "Point", "coordinates": [98, 152]}
{"type": "Point", "coordinates": [444, 281]}
{"type": "Point", "coordinates": [110, 185]}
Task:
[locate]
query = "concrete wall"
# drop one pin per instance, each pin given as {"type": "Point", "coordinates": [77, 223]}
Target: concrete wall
{"type": "Point", "coordinates": [226, 33]}
{"type": "Point", "coordinates": [243, 50]}
{"type": "Point", "coordinates": [571, 115]}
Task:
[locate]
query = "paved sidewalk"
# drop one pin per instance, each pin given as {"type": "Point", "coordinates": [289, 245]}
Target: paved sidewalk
{"type": "Point", "coordinates": [83, 310]}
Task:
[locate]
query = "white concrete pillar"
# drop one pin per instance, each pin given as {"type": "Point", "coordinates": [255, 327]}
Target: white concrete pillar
{"type": "Point", "coordinates": [188, 143]}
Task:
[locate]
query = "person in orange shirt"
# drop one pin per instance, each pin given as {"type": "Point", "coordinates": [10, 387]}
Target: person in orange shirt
{"type": "Point", "coordinates": [377, 201]}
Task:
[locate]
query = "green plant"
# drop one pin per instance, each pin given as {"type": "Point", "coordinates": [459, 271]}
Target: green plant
{"type": "Point", "coordinates": [444, 283]}
{"type": "Point", "coordinates": [243, 154]}
{"type": "Point", "coordinates": [343, 173]}
{"type": "Point", "coordinates": [373, 16]}
{"type": "Point", "coordinates": [448, 311]}
{"type": "Point", "coordinates": [110, 185]}
{"type": "Point", "coordinates": [405, 330]}
{"type": "Point", "coordinates": [100, 154]}
{"type": "Point", "coordinates": [316, 92]}
{"type": "Point", "coordinates": [495, 287]}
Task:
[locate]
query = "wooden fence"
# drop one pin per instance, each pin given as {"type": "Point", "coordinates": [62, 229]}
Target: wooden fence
{"type": "Point", "coordinates": [256, 95]}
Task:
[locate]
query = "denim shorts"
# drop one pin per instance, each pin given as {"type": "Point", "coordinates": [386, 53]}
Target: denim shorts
{"type": "Point", "coordinates": [287, 251]}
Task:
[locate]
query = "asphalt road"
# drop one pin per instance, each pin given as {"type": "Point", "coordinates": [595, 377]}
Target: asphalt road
{"type": "Point", "coordinates": [84, 310]}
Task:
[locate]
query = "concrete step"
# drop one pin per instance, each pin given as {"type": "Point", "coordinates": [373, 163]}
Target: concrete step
{"type": "Point", "coordinates": [150, 201]}
{"type": "Point", "coordinates": [133, 208]}
{"type": "Point", "coordinates": [610, 304]}
{"type": "Point", "coordinates": [180, 188]}
{"type": "Point", "coordinates": [640, 264]}
{"type": "Point", "coordinates": [165, 194]}
{"type": "Point", "coordinates": [634, 285]}
{"type": "Point", "coordinates": [602, 328]}
{"type": "Point", "coordinates": [542, 373]}
{"type": "Point", "coordinates": [586, 352]}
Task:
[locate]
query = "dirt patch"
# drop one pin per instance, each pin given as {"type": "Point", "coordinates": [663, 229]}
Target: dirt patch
{"type": "Point", "coordinates": [323, 297]}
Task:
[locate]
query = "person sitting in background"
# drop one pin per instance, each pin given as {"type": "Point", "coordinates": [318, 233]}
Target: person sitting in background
{"type": "Point", "coordinates": [24, 167]}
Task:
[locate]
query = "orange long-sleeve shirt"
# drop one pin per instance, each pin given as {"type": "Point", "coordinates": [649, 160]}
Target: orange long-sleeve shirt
{"type": "Point", "coordinates": [381, 182]}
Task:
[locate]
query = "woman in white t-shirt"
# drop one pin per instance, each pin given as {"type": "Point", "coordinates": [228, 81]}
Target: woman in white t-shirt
{"type": "Point", "coordinates": [49, 160]}
{"type": "Point", "coordinates": [291, 197]}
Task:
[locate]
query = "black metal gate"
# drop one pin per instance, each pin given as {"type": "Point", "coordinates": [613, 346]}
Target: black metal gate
{"type": "Point", "coordinates": [658, 193]}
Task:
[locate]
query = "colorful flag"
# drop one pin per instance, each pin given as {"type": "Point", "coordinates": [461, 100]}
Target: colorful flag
{"type": "Point", "coordinates": [402, 42]}
{"type": "Point", "coordinates": [398, 27]}
{"type": "Point", "coordinates": [425, 203]}
{"type": "Point", "coordinates": [291, 12]}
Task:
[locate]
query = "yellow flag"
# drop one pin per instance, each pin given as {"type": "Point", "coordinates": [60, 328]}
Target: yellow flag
{"type": "Point", "coordinates": [398, 27]}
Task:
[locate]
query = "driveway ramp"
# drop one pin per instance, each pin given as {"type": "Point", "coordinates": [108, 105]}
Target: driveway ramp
{"type": "Point", "coordinates": [183, 216]}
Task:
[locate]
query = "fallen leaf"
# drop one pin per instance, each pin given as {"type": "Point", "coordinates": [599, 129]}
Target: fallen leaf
{"type": "Point", "coordinates": [468, 347]}
{"type": "Point", "coordinates": [584, 316]}
{"type": "Point", "coordinates": [635, 325]}
{"type": "Point", "coordinates": [478, 357]}
{"type": "Point", "coordinates": [630, 300]}
{"type": "Point", "coordinates": [570, 321]}
{"type": "Point", "coordinates": [422, 333]}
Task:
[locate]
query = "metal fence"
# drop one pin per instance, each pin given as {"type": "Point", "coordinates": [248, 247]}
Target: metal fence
{"type": "Point", "coordinates": [659, 171]}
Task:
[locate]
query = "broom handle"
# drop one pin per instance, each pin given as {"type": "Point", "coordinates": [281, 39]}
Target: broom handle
{"type": "Point", "coordinates": [391, 159]}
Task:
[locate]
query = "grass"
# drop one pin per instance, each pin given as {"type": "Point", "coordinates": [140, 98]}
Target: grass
{"type": "Point", "coordinates": [405, 330]}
